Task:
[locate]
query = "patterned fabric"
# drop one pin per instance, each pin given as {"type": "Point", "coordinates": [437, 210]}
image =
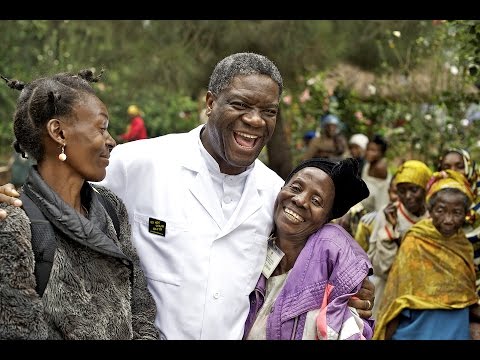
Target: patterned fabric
{"type": "Point", "coordinates": [383, 246]}
{"type": "Point", "coordinates": [448, 179]}
{"type": "Point", "coordinates": [415, 172]}
{"type": "Point", "coordinates": [471, 170]}
{"type": "Point", "coordinates": [429, 272]}
{"type": "Point", "coordinates": [472, 219]}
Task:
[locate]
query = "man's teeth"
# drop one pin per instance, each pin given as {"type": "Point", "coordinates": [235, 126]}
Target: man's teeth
{"type": "Point", "coordinates": [248, 136]}
{"type": "Point", "coordinates": [293, 215]}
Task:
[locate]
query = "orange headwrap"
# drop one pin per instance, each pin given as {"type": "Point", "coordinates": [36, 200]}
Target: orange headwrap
{"type": "Point", "coordinates": [448, 179]}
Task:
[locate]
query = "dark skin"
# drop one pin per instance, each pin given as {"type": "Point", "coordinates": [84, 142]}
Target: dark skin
{"type": "Point", "coordinates": [412, 197]}
{"type": "Point", "coordinates": [453, 161]}
{"type": "Point", "coordinates": [241, 121]}
{"type": "Point", "coordinates": [355, 150]}
{"type": "Point", "coordinates": [378, 164]}
{"type": "Point", "coordinates": [86, 137]}
{"type": "Point", "coordinates": [448, 212]}
{"type": "Point", "coordinates": [302, 207]}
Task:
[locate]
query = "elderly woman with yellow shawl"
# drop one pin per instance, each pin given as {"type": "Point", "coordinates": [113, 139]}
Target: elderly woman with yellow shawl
{"type": "Point", "coordinates": [461, 161]}
{"type": "Point", "coordinates": [394, 219]}
{"type": "Point", "coordinates": [432, 281]}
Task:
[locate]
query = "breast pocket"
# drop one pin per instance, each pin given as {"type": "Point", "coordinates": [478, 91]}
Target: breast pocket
{"type": "Point", "coordinates": [161, 255]}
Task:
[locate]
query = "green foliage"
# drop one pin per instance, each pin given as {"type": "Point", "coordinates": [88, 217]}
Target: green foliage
{"type": "Point", "coordinates": [464, 39]}
{"type": "Point", "coordinates": [163, 67]}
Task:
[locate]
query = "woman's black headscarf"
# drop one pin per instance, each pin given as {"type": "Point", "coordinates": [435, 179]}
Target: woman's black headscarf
{"type": "Point", "coordinates": [350, 189]}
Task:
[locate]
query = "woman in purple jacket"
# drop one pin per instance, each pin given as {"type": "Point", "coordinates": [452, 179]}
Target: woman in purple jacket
{"type": "Point", "coordinates": [312, 268]}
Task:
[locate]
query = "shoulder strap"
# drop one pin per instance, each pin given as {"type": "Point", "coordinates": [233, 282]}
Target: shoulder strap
{"type": "Point", "coordinates": [43, 242]}
{"type": "Point", "coordinates": [111, 212]}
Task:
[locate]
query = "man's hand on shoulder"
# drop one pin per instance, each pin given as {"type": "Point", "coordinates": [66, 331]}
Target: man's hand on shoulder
{"type": "Point", "coordinates": [8, 195]}
{"type": "Point", "coordinates": [364, 299]}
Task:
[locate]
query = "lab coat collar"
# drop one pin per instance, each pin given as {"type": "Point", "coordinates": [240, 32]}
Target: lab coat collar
{"type": "Point", "coordinates": [249, 203]}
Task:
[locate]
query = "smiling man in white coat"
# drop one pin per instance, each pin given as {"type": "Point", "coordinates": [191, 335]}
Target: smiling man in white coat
{"type": "Point", "coordinates": [201, 204]}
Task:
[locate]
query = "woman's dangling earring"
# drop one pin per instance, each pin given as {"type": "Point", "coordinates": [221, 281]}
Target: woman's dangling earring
{"type": "Point", "coordinates": [62, 156]}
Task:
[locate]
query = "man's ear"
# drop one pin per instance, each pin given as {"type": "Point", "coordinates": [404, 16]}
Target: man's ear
{"type": "Point", "coordinates": [209, 98]}
{"type": "Point", "coordinates": [56, 130]}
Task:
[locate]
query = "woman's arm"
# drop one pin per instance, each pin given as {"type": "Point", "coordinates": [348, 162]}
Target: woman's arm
{"type": "Point", "coordinates": [8, 195]}
{"type": "Point", "coordinates": [21, 310]}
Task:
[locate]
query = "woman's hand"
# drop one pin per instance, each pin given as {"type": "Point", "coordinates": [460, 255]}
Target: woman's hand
{"type": "Point", "coordinates": [364, 299]}
{"type": "Point", "coordinates": [8, 195]}
{"type": "Point", "coordinates": [391, 214]}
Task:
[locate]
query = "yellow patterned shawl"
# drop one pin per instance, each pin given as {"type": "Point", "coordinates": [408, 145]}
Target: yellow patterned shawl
{"type": "Point", "coordinates": [429, 272]}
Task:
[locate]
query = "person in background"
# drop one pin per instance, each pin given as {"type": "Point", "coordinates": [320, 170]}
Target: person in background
{"type": "Point", "coordinates": [96, 288]}
{"type": "Point", "coordinates": [307, 137]}
{"type": "Point", "coordinates": [331, 144]}
{"type": "Point", "coordinates": [202, 215]}
{"type": "Point", "coordinates": [460, 160]}
{"type": "Point", "coordinates": [394, 219]}
{"type": "Point", "coordinates": [312, 267]}
{"type": "Point", "coordinates": [357, 145]}
{"type": "Point", "coordinates": [365, 225]}
{"type": "Point", "coordinates": [376, 175]}
{"type": "Point", "coordinates": [136, 129]}
{"type": "Point", "coordinates": [431, 285]}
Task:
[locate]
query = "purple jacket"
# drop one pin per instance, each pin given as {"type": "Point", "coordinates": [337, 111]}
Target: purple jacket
{"type": "Point", "coordinates": [331, 260]}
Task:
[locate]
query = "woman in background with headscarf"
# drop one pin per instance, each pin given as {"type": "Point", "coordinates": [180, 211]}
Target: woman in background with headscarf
{"type": "Point", "coordinates": [432, 281]}
{"type": "Point", "coordinates": [394, 219]}
{"type": "Point", "coordinates": [460, 160]}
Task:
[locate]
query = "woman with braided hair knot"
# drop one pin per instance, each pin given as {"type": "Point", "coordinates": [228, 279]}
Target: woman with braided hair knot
{"type": "Point", "coordinates": [96, 288]}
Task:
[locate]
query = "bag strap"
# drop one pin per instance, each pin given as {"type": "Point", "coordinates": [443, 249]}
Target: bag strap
{"type": "Point", "coordinates": [43, 242]}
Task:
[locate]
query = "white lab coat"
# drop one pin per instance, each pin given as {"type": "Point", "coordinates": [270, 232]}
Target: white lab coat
{"type": "Point", "coordinates": [200, 273]}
